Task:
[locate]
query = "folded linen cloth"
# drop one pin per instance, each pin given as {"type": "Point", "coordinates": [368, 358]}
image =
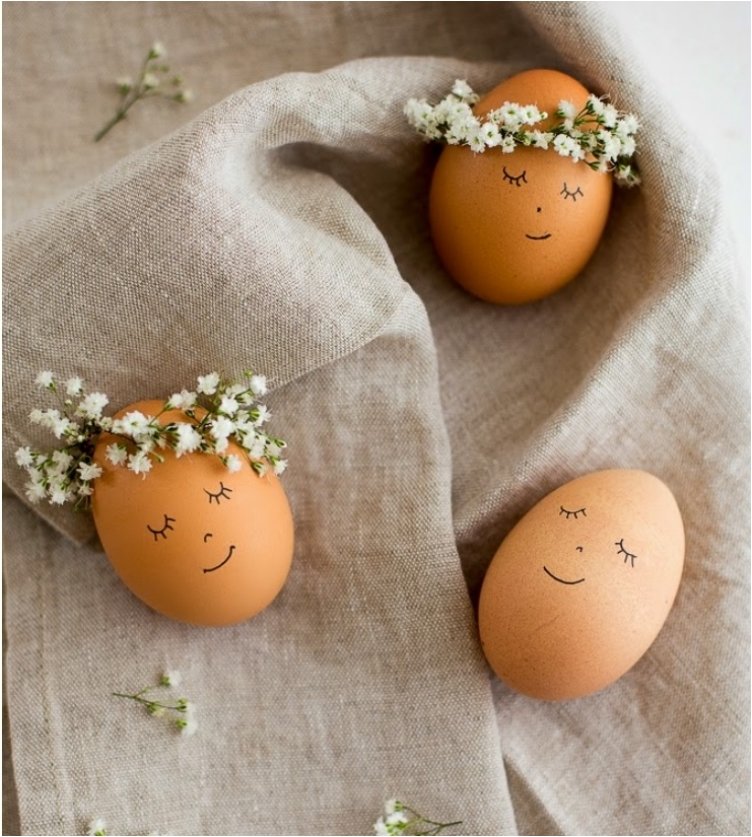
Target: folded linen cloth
{"type": "Point", "coordinates": [285, 228]}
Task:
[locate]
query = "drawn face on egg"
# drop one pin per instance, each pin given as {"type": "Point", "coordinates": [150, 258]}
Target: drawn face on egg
{"type": "Point", "coordinates": [581, 586]}
{"type": "Point", "coordinates": [192, 540]}
{"type": "Point", "coordinates": [516, 227]}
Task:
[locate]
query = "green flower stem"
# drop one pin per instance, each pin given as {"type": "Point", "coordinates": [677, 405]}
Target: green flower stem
{"type": "Point", "coordinates": [146, 702]}
{"type": "Point", "coordinates": [419, 820]}
{"type": "Point", "coordinates": [118, 117]}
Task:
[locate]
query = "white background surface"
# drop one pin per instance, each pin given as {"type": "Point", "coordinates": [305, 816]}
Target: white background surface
{"type": "Point", "coordinates": [700, 54]}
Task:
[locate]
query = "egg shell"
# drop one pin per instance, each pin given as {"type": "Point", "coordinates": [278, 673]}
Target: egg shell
{"type": "Point", "coordinates": [224, 556]}
{"type": "Point", "coordinates": [481, 221]}
{"type": "Point", "coordinates": [564, 611]}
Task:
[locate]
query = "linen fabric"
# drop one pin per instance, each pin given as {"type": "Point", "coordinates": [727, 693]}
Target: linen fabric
{"type": "Point", "coordinates": [283, 227]}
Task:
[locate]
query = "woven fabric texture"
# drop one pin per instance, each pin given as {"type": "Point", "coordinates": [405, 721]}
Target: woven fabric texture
{"type": "Point", "coordinates": [279, 222]}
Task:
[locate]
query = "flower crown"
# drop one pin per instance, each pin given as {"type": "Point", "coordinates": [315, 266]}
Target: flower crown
{"type": "Point", "coordinates": [66, 474]}
{"type": "Point", "coordinates": [607, 143]}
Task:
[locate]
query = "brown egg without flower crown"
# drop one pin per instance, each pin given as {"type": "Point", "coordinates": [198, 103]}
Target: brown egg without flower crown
{"type": "Point", "coordinates": [582, 585]}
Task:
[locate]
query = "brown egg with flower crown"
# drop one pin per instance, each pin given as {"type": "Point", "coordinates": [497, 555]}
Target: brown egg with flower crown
{"type": "Point", "coordinates": [194, 539]}
{"type": "Point", "coordinates": [517, 213]}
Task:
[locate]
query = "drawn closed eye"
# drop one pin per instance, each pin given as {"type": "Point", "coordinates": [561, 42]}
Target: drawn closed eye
{"type": "Point", "coordinates": [515, 179]}
{"type": "Point", "coordinates": [223, 494]}
{"type": "Point", "coordinates": [622, 550]}
{"type": "Point", "coordinates": [573, 195]}
{"type": "Point", "coordinates": [167, 527]}
{"type": "Point", "coordinates": [574, 514]}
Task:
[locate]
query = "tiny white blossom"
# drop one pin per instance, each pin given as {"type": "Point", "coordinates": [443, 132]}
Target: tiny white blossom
{"type": "Point", "coordinates": [564, 145]}
{"type": "Point", "coordinates": [379, 827]}
{"type": "Point", "coordinates": [491, 134]}
{"type": "Point", "coordinates": [74, 386]}
{"type": "Point", "coordinates": [392, 805]}
{"type": "Point", "coordinates": [596, 104]}
{"type": "Point", "coordinates": [280, 467]}
{"type": "Point", "coordinates": [221, 427]}
{"type": "Point", "coordinates": [263, 415]}
{"type": "Point", "coordinates": [531, 115]}
{"type": "Point", "coordinates": [125, 83]}
{"type": "Point", "coordinates": [476, 141]}
{"type": "Point", "coordinates": [133, 424]}
{"type": "Point", "coordinates": [609, 116]}
{"type": "Point", "coordinates": [258, 384]}
{"type": "Point", "coordinates": [24, 457]}
{"type": "Point", "coordinates": [188, 439]}
{"type": "Point", "coordinates": [61, 459]}
{"type": "Point", "coordinates": [97, 827]}
{"type": "Point", "coordinates": [139, 462]}
{"type": "Point", "coordinates": [234, 463]}
{"type": "Point", "coordinates": [150, 81]}
{"type": "Point", "coordinates": [207, 384]}
{"type": "Point", "coordinates": [463, 91]}
{"type": "Point", "coordinates": [89, 471]}
{"type": "Point", "coordinates": [627, 126]}
{"type": "Point", "coordinates": [157, 50]}
{"type": "Point", "coordinates": [540, 139]}
{"type": "Point", "coordinates": [228, 405]}
{"type": "Point", "coordinates": [186, 95]}
{"type": "Point", "coordinates": [182, 400]}
{"type": "Point", "coordinates": [116, 454]}
{"type": "Point", "coordinates": [396, 818]}
{"type": "Point", "coordinates": [258, 448]}
{"type": "Point", "coordinates": [85, 489]}
{"type": "Point", "coordinates": [171, 678]}
{"type": "Point", "coordinates": [92, 405]}
{"type": "Point", "coordinates": [59, 496]}
{"type": "Point", "coordinates": [35, 491]}
{"type": "Point", "coordinates": [36, 416]}
{"type": "Point", "coordinates": [507, 145]}
{"type": "Point", "coordinates": [566, 109]}
{"type": "Point", "coordinates": [44, 380]}
{"type": "Point", "coordinates": [60, 426]}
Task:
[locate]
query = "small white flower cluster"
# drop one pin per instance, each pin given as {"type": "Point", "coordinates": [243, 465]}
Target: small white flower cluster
{"type": "Point", "coordinates": [152, 80]}
{"type": "Point", "coordinates": [97, 828]}
{"type": "Point", "coordinates": [182, 713]}
{"type": "Point", "coordinates": [217, 413]}
{"type": "Point", "coordinates": [598, 135]}
{"type": "Point", "coordinates": [398, 818]}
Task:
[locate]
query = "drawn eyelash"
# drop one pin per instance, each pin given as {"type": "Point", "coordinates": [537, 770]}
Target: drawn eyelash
{"type": "Point", "coordinates": [515, 180]}
{"type": "Point", "coordinates": [163, 531]}
{"type": "Point", "coordinates": [622, 551]}
{"type": "Point", "coordinates": [574, 514]}
{"type": "Point", "coordinates": [224, 493]}
{"type": "Point", "coordinates": [573, 195]}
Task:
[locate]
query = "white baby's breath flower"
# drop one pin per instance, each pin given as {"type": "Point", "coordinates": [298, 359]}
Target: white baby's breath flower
{"type": "Point", "coordinates": [507, 145]}
{"type": "Point", "coordinates": [61, 459]}
{"type": "Point", "coordinates": [182, 400]}
{"type": "Point", "coordinates": [258, 449]}
{"type": "Point", "coordinates": [92, 405]}
{"type": "Point", "coordinates": [627, 126]}
{"type": "Point", "coordinates": [566, 109]}
{"type": "Point", "coordinates": [392, 805]}
{"type": "Point", "coordinates": [35, 491]}
{"type": "Point", "coordinates": [541, 139]}
{"type": "Point", "coordinates": [228, 405]}
{"type": "Point", "coordinates": [185, 96]}
{"type": "Point", "coordinates": [97, 828]}
{"type": "Point", "coordinates": [595, 104]}
{"type": "Point", "coordinates": [60, 495]}
{"type": "Point", "coordinates": [258, 384]}
{"type": "Point", "coordinates": [59, 426]}
{"type": "Point", "coordinates": [45, 380]}
{"type": "Point", "coordinates": [139, 462]}
{"type": "Point", "coordinates": [234, 463]}
{"type": "Point", "coordinates": [134, 424]}
{"type": "Point", "coordinates": [171, 677]}
{"type": "Point", "coordinates": [187, 439]}
{"type": "Point", "coordinates": [150, 81]}
{"type": "Point", "coordinates": [609, 116]}
{"type": "Point", "coordinates": [491, 135]}
{"type": "Point", "coordinates": [476, 141]}
{"type": "Point", "coordinates": [463, 91]}
{"type": "Point", "coordinates": [36, 416]}
{"type": "Point", "coordinates": [116, 454]}
{"type": "Point", "coordinates": [396, 818]}
{"type": "Point", "coordinates": [157, 50]}
{"type": "Point", "coordinates": [74, 386]}
{"type": "Point", "coordinates": [85, 489]}
{"type": "Point", "coordinates": [24, 457]}
{"type": "Point", "coordinates": [531, 115]}
{"type": "Point", "coordinates": [280, 466]}
{"type": "Point", "coordinates": [263, 415]}
{"type": "Point", "coordinates": [379, 827]}
{"type": "Point", "coordinates": [89, 471]}
{"type": "Point", "coordinates": [221, 427]}
{"type": "Point", "coordinates": [564, 145]}
{"type": "Point", "coordinates": [207, 384]}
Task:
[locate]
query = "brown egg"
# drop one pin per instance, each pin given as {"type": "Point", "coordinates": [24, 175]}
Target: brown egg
{"type": "Point", "coordinates": [581, 586]}
{"type": "Point", "coordinates": [192, 540]}
{"type": "Point", "coordinates": [513, 228]}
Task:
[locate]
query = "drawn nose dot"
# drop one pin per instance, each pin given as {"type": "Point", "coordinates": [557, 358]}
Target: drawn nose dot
{"type": "Point", "coordinates": [538, 209]}
{"type": "Point", "coordinates": [207, 536]}
{"type": "Point", "coordinates": [579, 549]}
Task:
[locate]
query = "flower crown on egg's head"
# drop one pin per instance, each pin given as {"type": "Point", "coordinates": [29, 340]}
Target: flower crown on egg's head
{"type": "Point", "coordinates": [229, 412]}
{"type": "Point", "coordinates": [598, 135]}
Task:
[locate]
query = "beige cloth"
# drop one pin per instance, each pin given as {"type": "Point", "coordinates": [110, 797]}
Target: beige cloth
{"type": "Point", "coordinates": [285, 228]}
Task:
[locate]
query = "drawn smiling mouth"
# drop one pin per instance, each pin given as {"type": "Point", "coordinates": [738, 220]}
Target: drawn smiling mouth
{"type": "Point", "coordinates": [561, 580]}
{"type": "Point", "coordinates": [538, 237]}
{"type": "Point", "coordinates": [229, 555]}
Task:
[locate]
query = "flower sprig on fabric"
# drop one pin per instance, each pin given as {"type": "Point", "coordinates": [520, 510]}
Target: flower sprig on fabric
{"type": "Point", "coordinates": [598, 135]}
{"type": "Point", "coordinates": [399, 818]}
{"type": "Point", "coordinates": [181, 713]}
{"type": "Point", "coordinates": [230, 413]}
{"type": "Point", "coordinates": [152, 80]}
